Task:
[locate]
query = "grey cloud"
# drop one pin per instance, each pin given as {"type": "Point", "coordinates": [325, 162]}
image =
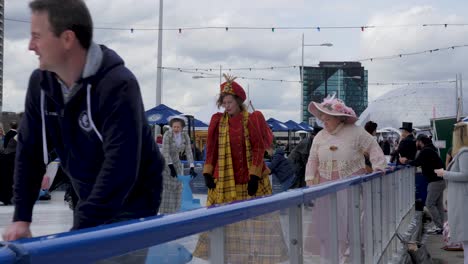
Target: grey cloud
{"type": "Point", "coordinates": [211, 48]}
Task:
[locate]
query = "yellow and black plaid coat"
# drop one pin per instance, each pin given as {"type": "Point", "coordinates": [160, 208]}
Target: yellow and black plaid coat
{"type": "Point", "coordinates": [256, 240]}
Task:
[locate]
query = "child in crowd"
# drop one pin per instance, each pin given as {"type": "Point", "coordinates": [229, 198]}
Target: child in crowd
{"type": "Point", "coordinates": [281, 168]}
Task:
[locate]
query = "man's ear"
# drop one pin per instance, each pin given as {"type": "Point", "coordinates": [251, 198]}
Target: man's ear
{"type": "Point", "coordinates": [68, 38]}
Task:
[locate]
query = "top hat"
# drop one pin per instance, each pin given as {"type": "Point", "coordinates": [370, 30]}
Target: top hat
{"type": "Point", "coordinates": [408, 126]}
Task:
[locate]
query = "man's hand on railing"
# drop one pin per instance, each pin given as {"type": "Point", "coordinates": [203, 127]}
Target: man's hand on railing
{"type": "Point", "coordinates": [17, 230]}
{"type": "Point", "coordinates": [209, 181]}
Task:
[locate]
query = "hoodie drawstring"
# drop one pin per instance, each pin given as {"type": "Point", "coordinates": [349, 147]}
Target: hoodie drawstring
{"type": "Point", "coordinates": [45, 153]}
{"type": "Point", "coordinates": [88, 103]}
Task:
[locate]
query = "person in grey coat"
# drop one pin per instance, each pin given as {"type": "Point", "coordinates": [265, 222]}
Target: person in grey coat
{"type": "Point", "coordinates": [457, 188]}
{"type": "Point", "coordinates": [175, 141]}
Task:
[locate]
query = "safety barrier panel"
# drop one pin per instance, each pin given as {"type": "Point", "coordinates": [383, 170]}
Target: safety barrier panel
{"type": "Point", "coordinates": [372, 207]}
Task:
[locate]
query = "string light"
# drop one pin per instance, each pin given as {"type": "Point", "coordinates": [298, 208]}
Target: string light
{"type": "Point", "coordinates": [318, 28]}
{"type": "Point", "coordinates": [400, 55]}
{"type": "Point", "coordinates": [212, 75]}
{"type": "Point", "coordinates": [412, 53]}
{"type": "Point", "coordinates": [235, 69]}
{"type": "Point", "coordinates": [410, 83]}
{"type": "Point", "coordinates": [226, 28]}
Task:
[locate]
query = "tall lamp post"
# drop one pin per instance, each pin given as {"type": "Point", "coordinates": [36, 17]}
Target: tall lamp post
{"type": "Point", "coordinates": [302, 63]}
{"type": "Point", "coordinates": [159, 70]}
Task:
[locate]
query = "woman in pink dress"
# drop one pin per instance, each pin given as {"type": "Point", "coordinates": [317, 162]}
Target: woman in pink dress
{"type": "Point", "coordinates": [337, 153]}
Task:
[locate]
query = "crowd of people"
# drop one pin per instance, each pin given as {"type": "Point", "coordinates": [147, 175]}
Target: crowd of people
{"type": "Point", "coordinates": [85, 106]}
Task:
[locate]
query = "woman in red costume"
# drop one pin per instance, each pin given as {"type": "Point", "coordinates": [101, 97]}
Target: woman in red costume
{"type": "Point", "coordinates": [234, 167]}
{"type": "Point", "coordinates": [234, 171]}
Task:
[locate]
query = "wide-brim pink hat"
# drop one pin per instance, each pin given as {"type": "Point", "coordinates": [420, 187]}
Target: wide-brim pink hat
{"type": "Point", "coordinates": [334, 107]}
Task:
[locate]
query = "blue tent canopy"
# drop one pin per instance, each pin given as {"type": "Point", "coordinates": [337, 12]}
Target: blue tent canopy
{"type": "Point", "coordinates": [306, 127]}
{"type": "Point", "coordinates": [199, 123]}
{"type": "Point", "coordinates": [276, 125]}
{"type": "Point", "coordinates": [293, 126]}
{"type": "Point", "coordinates": [160, 114]}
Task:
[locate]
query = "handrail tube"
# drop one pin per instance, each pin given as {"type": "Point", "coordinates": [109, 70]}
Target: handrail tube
{"type": "Point", "coordinates": [7, 255]}
{"type": "Point", "coordinates": [317, 191]}
{"type": "Point", "coordinates": [320, 190]}
{"type": "Point", "coordinates": [151, 231]}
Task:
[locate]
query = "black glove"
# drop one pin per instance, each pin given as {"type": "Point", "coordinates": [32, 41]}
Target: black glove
{"type": "Point", "coordinates": [173, 171]}
{"type": "Point", "coordinates": [192, 172]}
{"type": "Point", "coordinates": [252, 185]}
{"type": "Point", "coordinates": [209, 181]}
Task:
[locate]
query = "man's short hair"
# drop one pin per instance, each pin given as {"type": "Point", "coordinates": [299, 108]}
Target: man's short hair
{"type": "Point", "coordinates": [13, 125]}
{"type": "Point", "coordinates": [424, 139]}
{"type": "Point", "coordinates": [67, 15]}
{"type": "Point", "coordinates": [370, 127]}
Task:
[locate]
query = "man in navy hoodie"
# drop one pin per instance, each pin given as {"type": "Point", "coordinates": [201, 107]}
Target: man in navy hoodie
{"type": "Point", "coordinates": [86, 105]}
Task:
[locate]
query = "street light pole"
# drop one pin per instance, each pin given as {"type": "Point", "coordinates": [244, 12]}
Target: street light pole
{"type": "Point", "coordinates": [159, 70]}
{"type": "Point", "coordinates": [220, 74]}
{"type": "Point", "coordinates": [302, 68]}
{"type": "Point", "coordinates": [302, 81]}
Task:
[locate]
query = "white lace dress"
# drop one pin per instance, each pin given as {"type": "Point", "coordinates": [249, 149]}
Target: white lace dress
{"type": "Point", "coordinates": [334, 156]}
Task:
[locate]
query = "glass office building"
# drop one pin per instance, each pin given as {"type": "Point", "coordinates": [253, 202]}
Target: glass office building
{"type": "Point", "coordinates": [347, 80]}
{"type": "Point", "coordinates": [2, 20]}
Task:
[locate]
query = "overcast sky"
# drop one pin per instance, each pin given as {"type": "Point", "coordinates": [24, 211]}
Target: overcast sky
{"type": "Point", "coordinates": [210, 48]}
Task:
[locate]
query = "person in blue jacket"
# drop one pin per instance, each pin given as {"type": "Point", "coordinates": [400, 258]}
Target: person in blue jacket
{"type": "Point", "coordinates": [282, 169]}
{"type": "Point", "coordinates": [86, 105]}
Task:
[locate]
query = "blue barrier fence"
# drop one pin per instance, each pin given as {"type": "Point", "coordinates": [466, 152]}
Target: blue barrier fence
{"type": "Point", "coordinates": [102, 242]}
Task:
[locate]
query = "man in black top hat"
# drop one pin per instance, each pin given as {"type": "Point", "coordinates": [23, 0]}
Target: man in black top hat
{"type": "Point", "coordinates": [407, 147]}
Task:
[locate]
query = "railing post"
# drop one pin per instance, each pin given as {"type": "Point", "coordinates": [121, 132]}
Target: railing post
{"type": "Point", "coordinates": [333, 216]}
{"type": "Point", "coordinates": [217, 245]}
{"type": "Point", "coordinates": [355, 228]}
{"type": "Point", "coordinates": [295, 235]}
{"type": "Point", "coordinates": [402, 192]}
{"type": "Point", "coordinates": [377, 212]}
{"type": "Point", "coordinates": [393, 205]}
{"type": "Point", "coordinates": [368, 213]}
{"type": "Point", "coordinates": [385, 210]}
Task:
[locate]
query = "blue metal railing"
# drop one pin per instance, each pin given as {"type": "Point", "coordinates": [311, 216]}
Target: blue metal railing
{"type": "Point", "coordinates": [120, 238]}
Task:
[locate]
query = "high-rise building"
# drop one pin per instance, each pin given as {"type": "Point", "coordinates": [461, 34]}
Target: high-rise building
{"type": "Point", "coordinates": [2, 23]}
{"type": "Point", "coordinates": [347, 80]}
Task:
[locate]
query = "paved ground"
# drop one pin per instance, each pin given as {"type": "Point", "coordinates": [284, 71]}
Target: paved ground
{"type": "Point", "coordinates": [49, 217]}
{"type": "Point", "coordinates": [434, 244]}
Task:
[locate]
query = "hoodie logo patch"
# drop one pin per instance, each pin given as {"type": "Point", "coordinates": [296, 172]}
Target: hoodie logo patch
{"type": "Point", "coordinates": [83, 121]}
